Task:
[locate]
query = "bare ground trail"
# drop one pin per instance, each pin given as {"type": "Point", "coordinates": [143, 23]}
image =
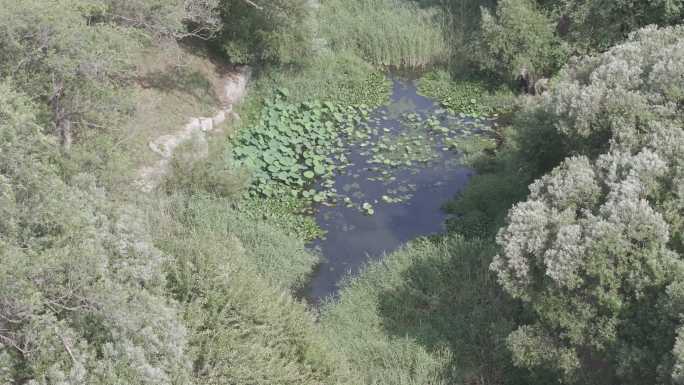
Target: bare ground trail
{"type": "Point", "coordinates": [234, 87]}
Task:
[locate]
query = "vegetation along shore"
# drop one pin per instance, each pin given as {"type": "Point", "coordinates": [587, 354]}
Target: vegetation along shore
{"type": "Point", "coordinates": [341, 192]}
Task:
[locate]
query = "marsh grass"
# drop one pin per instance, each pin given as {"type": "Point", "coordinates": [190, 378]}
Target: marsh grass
{"type": "Point", "coordinates": [339, 77]}
{"type": "Point", "coordinates": [416, 316]}
{"type": "Point", "coordinates": [388, 33]}
{"type": "Point", "coordinates": [278, 256]}
{"type": "Point", "coordinates": [232, 276]}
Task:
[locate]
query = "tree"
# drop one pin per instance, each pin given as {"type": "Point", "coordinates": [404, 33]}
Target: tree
{"type": "Point", "coordinates": [81, 286]}
{"type": "Point", "coordinates": [174, 19]}
{"type": "Point", "coordinates": [76, 56]}
{"type": "Point", "coordinates": [519, 39]}
{"type": "Point", "coordinates": [55, 53]}
{"type": "Point", "coordinates": [598, 24]}
{"type": "Point", "coordinates": [595, 251]}
{"type": "Point", "coordinates": [276, 31]}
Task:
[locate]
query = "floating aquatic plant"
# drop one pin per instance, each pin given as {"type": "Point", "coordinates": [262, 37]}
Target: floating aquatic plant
{"type": "Point", "coordinates": [294, 144]}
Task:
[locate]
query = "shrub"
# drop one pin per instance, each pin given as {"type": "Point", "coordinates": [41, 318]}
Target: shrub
{"type": "Point", "coordinates": [520, 36]}
{"type": "Point", "coordinates": [595, 251]}
{"type": "Point", "coordinates": [81, 284]}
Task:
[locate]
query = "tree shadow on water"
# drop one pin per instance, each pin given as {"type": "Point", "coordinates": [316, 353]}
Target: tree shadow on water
{"type": "Point", "coordinates": [448, 298]}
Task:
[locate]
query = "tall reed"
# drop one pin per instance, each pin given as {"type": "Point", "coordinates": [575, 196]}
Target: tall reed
{"type": "Point", "coordinates": [390, 33]}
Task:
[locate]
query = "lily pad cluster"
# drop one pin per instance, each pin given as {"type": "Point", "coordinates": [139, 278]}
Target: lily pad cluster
{"type": "Point", "coordinates": [458, 97]}
{"type": "Point", "coordinates": [294, 144]}
{"type": "Point", "coordinates": [421, 139]}
{"type": "Point", "coordinates": [299, 149]}
{"type": "Point", "coordinates": [392, 150]}
{"type": "Point", "coordinates": [410, 148]}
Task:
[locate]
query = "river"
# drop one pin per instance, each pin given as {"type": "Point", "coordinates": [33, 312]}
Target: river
{"type": "Point", "coordinates": [405, 198]}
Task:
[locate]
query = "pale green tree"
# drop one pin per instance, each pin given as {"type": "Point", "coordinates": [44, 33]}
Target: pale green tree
{"type": "Point", "coordinates": [54, 52]}
{"type": "Point", "coordinates": [82, 296]}
{"type": "Point", "coordinates": [595, 251]}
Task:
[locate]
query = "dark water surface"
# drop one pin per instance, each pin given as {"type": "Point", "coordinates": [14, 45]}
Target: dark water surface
{"type": "Point", "coordinates": [353, 237]}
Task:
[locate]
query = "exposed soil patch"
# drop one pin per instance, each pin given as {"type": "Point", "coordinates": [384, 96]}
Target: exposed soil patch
{"type": "Point", "coordinates": [231, 90]}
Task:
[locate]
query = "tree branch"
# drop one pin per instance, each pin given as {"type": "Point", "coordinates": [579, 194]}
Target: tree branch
{"type": "Point", "coordinates": [253, 4]}
{"type": "Point", "coordinates": [13, 344]}
{"type": "Point", "coordinates": [68, 349]}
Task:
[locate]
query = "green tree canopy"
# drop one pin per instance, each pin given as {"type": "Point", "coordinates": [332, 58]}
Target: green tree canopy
{"type": "Point", "coordinates": [270, 31]}
{"type": "Point", "coordinates": [520, 36]}
{"type": "Point", "coordinates": [81, 287]}
{"type": "Point", "coordinates": [595, 251]}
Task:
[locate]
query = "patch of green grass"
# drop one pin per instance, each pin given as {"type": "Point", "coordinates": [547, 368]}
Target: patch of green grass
{"type": "Point", "coordinates": [389, 33]}
{"type": "Point", "coordinates": [278, 255]}
{"type": "Point", "coordinates": [459, 97]}
{"type": "Point", "coordinates": [430, 313]}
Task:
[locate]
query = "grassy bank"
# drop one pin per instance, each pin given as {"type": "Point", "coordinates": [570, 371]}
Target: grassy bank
{"type": "Point", "coordinates": [415, 317]}
{"type": "Point", "coordinates": [432, 312]}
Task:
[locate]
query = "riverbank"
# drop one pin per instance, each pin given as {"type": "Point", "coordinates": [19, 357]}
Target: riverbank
{"type": "Point", "coordinates": [393, 185]}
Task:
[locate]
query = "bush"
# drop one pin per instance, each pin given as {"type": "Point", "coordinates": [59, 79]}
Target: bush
{"type": "Point", "coordinates": [595, 250]}
{"type": "Point", "coordinates": [232, 275]}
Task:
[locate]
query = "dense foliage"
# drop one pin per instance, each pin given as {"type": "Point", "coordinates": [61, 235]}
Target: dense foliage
{"type": "Point", "coordinates": [240, 328]}
{"type": "Point", "coordinates": [577, 279]}
{"type": "Point", "coordinates": [520, 37]}
{"type": "Point", "coordinates": [390, 33]}
{"type": "Point", "coordinates": [597, 244]}
{"type": "Point", "coordinates": [82, 285]}
{"type": "Point", "coordinates": [504, 37]}
{"type": "Point", "coordinates": [94, 291]}
{"type": "Point", "coordinates": [430, 313]}
{"type": "Point", "coordinates": [276, 31]}
{"type": "Point", "coordinates": [54, 54]}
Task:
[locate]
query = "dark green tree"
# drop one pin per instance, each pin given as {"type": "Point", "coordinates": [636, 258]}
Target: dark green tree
{"type": "Point", "coordinates": [273, 32]}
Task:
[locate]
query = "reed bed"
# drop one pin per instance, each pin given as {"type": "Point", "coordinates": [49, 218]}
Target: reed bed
{"type": "Point", "coordinates": [389, 33]}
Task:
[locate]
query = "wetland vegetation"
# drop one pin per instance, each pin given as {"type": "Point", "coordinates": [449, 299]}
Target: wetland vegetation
{"type": "Point", "coordinates": [416, 192]}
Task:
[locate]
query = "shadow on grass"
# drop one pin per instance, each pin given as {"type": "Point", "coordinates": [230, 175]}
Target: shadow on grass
{"type": "Point", "coordinates": [450, 299]}
{"type": "Point", "coordinates": [190, 82]}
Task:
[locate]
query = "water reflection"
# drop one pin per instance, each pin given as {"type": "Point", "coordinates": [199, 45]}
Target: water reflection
{"type": "Point", "coordinates": [354, 237]}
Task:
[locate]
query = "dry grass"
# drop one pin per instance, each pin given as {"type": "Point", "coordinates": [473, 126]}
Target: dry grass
{"type": "Point", "coordinates": [173, 85]}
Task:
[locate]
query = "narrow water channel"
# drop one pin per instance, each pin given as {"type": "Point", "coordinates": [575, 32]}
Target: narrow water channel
{"type": "Point", "coordinates": [406, 199]}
